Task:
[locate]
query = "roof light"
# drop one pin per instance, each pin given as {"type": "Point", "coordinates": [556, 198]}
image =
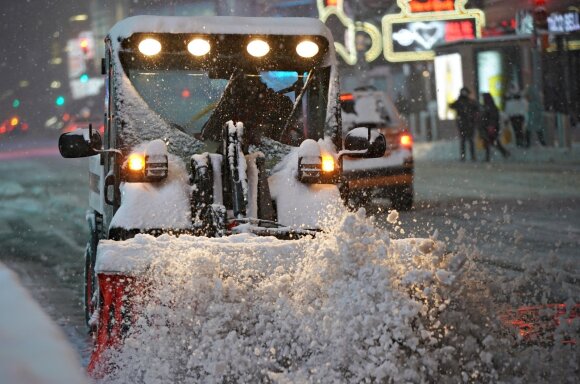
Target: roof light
{"type": "Point", "coordinates": [149, 47]}
{"type": "Point", "coordinates": [136, 162]}
{"type": "Point", "coordinates": [198, 47]}
{"type": "Point", "coordinates": [258, 48]}
{"type": "Point", "coordinates": [307, 49]}
{"type": "Point", "coordinates": [327, 163]}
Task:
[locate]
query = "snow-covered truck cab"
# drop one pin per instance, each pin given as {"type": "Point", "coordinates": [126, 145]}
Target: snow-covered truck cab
{"type": "Point", "coordinates": [214, 125]}
{"type": "Point", "coordinates": [390, 175]}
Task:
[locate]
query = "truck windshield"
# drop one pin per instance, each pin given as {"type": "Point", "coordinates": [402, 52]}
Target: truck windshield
{"type": "Point", "coordinates": [266, 102]}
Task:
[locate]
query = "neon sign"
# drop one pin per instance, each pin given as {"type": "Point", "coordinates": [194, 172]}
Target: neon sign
{"type": "Point", "coordinates": [421, 36]}
{"type": "Point", "coordinates": [422, 24]}
{"type": "Point", "coordinates": [347, 50]}
{"type": "Point", "coordinates": [431, 5]}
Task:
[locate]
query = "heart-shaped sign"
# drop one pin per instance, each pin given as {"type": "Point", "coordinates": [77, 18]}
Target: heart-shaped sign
{"type": "Point", "coordinates": [427, 34]}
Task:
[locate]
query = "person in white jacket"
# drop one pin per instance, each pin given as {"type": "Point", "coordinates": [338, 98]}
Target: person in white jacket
{"type": "Point", "coordinates": [516, 107]}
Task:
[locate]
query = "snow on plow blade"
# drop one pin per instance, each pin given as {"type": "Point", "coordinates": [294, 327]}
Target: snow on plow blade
{"type": "Point", "coordinates": [252, 308]}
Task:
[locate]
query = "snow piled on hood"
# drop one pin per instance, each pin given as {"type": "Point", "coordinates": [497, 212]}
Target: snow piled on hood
{"type": "Point", "coordinates": [156, 205]}
{"type": "Point", "coordinates": [299, 204]}
{"type": "Point", "coordinates": [349, 306]}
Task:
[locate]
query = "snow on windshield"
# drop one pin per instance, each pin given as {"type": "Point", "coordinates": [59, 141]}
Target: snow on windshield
{"type": "Point", "coordinates": [143, 124]}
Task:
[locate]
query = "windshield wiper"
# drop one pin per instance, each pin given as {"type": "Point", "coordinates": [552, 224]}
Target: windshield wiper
{"type": "Point", "coordinates": [298, 100]}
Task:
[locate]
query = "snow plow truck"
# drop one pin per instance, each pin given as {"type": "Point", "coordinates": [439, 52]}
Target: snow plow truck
{"type": "Point", "coordinates": [213, 126]}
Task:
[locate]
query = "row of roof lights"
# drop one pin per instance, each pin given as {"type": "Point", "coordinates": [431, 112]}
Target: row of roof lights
{"type": "Point", "coordinates": [200, 47]}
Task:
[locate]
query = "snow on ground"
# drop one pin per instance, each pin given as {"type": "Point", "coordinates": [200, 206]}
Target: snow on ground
{"type": "Point", "coordinates": [351, 305]}
{"type": "Point", "coordinates": [33, 348]}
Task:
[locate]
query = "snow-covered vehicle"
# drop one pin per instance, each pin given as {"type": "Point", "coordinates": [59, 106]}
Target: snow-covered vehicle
{"type": "Point", "coordinates": [390, 175]}
{"type": "Point", "coordinates": [214, 126]}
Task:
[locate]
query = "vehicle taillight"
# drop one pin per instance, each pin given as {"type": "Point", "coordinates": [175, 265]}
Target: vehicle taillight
{"type": "Point", "coordinates": [406, 140]}
{"type": "Point", "coordinates": [347, 97]}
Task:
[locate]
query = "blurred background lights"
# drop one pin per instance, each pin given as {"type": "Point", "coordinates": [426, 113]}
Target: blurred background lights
{"type": "Point", "coordinates": [258, 48]}
{"type": "Point", "coordinates": [307, 48]}
{"type": "Point", "coordinates": [149, 47]}
{"type": "Point", "coordinates": [198, 47]}
{"type": "Point", "coordinates": [82, 17]}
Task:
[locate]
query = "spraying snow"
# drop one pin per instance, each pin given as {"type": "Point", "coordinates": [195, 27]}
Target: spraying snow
{"type": "Point", "coordinates": [351, 305]}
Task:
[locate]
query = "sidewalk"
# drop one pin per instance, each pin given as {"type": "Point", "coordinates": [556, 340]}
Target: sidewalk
{"type": "Point", "coordinates": [448, 150]}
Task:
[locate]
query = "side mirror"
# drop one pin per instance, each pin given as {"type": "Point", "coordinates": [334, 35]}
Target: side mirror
{"type": "Point", "coordinates": [79, 143]}
{"type": "Point", "coordinates": [365, 143]}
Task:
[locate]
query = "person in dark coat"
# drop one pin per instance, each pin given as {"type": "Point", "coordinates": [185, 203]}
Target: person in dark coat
{"type": "Point", "coordinates": [490, 127]}
{"type": "Point", "coordinates": [467, 112]}
{"type": "Point", "coordinates": [516, 107]}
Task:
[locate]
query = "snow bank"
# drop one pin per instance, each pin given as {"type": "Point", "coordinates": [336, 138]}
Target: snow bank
{"type": "Point", "coordinates": [32, 348]}
{"type": "Point", "coordinates": [348, 306]}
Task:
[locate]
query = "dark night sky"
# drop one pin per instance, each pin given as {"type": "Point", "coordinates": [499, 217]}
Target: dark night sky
{"type": "Point", "coordinates": [27, 28]}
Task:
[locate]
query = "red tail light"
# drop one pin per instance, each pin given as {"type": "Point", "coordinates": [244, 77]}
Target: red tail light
{"type": "Point", "coordinates": [406, 140]}
{"type": "Point", "coordinates": [346, 97]}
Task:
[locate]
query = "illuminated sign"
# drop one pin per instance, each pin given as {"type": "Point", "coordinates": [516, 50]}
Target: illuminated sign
{"type": "Point", "coordinates": [346, 49]}
{"type": "Point", "coordinates": [490, 76]}
{"type": "Point", "coordinates": [448, 82]}
{"type": "Point", "coordinates": [431, 5]}
{"type": "Point", "coordinates": [424, 35]}
{"type": "Point", "coordinates": [422, 24]}
{"type": "Point", "coordinates": [564, 22]}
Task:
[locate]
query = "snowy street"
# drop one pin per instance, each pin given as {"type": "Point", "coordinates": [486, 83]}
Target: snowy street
{"type": "Point", "coordinates": [313, 191]}
{"type": "Point", "coordinates": [516, 221]}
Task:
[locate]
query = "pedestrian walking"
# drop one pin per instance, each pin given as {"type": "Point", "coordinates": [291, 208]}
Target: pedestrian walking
{"type": "Point", "coordinates": [516, 107]}
{"type": "Point", "coordinates": [490, 127]}
{"type": "Point", "coordinates": [467, 115]}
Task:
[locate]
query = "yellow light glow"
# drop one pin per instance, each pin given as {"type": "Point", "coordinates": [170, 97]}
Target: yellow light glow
{"type": "Point", "coordinates": [82, 17]}
{"type": "Point", "coordinates": [327, 163]}
{"type": "Point", "coordinates": [149, 47]}
{"type": "Point", "coordinates": [136, 162]}
{"type": "Point", "coordinates": [14, 121]}
{"type": "Point", "coordinates": [198, 47]}
{"type": "Point", "coordinates": [406, 140]}
{"type": "Point", "coordinates": [258, 48]}
{"type": "Point", "coordinates": [307, 48]}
